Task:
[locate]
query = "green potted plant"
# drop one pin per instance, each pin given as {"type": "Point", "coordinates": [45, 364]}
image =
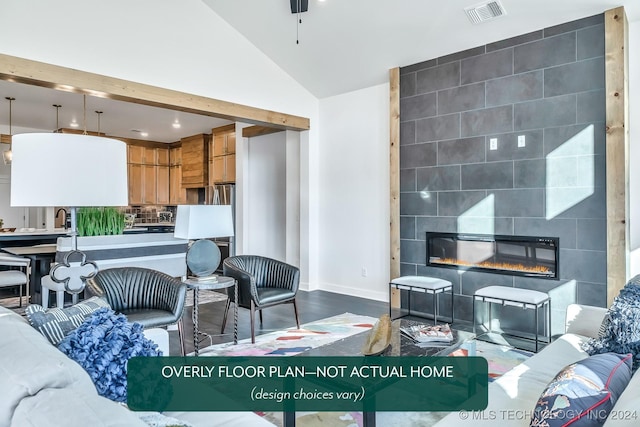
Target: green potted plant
{"type": "Point", "coordinates": [100, 221]}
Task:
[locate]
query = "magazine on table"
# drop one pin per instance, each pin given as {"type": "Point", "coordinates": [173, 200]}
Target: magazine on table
{"type": "Point", "coordinates": [429, 333]}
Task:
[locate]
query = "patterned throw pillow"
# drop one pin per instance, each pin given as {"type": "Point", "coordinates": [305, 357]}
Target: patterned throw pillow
{"type": "Point", "coordinates": [584, 393]}
{"type": "Point", "coordinates": [57, 323]}
{"type": "Point", "coordinates": [620, 329]}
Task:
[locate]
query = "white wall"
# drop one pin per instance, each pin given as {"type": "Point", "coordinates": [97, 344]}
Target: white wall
{"type": "Point", "coordinates": [354, 193]}
{"type": "Point", "coordinates": [266, 195]}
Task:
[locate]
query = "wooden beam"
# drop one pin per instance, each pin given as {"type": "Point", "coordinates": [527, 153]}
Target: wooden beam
{"type": "Point", "coordinates": [70, 80]}
{"type": "Point", "coordinates": [617, 143]}
{"type": "Point", "coordinates": [394, 180]}
{"type": "Point", "coordinates": [223, 129]}
{"type": "Point", "coordinates": [252, 131]}
{"type": "Point", "coordinates": [5, 139]}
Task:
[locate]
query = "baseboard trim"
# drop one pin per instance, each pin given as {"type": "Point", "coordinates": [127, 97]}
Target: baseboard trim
{"type": "Point", "coordinates": [354, 292]}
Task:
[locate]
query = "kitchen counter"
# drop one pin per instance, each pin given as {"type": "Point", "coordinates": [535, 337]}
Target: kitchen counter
{"type": "Point", "coordinates": [30, 238]}
{"type": "Point", "coordinates": [152, 224]}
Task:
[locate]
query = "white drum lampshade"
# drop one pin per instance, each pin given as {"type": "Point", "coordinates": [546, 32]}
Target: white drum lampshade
{"type": "Point", "coordinates": [57, 169]}
{"type": "Point", "coordinates": [199, 223]}
{"type": "Point", "coordinates": [203, 221]}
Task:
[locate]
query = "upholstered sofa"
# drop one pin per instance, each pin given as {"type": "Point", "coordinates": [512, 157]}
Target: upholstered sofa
{"type": "Point", "coordinates": [41, 387]}
{"type": "Point", "coordinates": [513, 397]}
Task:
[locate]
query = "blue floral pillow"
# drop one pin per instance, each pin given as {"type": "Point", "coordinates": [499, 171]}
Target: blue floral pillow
{"type": "Point", "coordinates": [102, 345]}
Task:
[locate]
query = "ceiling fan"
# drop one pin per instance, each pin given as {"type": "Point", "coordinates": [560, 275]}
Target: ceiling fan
{"type": "Point", "coordinates": [299, 6]}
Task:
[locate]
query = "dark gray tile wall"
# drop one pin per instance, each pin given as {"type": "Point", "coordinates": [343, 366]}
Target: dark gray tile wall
{"type": "Point", "coordinates": [547, 86]}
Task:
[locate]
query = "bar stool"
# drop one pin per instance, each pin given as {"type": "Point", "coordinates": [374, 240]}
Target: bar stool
{"type": "Point", "coordinates": [524, 298]}
{"type": "Point", "coordinates": [427, 285]}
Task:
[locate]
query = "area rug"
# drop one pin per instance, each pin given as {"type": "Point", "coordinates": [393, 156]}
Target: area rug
{"type": "Point", "coordinates": [293, 341]}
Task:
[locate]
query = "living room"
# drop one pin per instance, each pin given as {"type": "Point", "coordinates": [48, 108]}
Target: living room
{"type": "Point", "coordinates": [344, 126]}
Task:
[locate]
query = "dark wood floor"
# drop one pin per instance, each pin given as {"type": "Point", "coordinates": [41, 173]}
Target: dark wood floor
{"type": "Point", "coordinates": [312, 306]}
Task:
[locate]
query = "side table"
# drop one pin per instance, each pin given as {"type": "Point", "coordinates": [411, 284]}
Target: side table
{"type": "Point", "coordinates": [222, 282]}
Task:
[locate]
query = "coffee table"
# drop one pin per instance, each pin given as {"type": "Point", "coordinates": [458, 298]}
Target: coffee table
{"type": "Point", "coordinates": [400, 346]}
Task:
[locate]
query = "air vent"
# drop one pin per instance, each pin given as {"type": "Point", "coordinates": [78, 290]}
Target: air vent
{"type": "Point", "coordinates": [485, 12]}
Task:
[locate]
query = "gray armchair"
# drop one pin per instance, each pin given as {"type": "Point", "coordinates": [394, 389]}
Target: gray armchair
{"type": "Point", "coordinates": [145, 296]}
{"type": "Point", "coordinates": [262, 282]}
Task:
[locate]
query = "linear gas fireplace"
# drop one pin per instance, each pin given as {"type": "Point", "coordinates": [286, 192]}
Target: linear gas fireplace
{"type": "Point", "coordinates": [515, 255]}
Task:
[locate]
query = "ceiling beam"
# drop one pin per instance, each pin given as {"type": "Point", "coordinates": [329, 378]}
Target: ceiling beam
{"type": "Point", "coordinates": [253, 131]}
{"type": "Point", "coordinates": [36, 73]}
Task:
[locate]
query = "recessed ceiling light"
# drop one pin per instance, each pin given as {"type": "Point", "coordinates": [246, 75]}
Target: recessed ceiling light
{"type": "Point", "coordinates": [74, 124]}
{"type": "Point", "coordinates": [144, 134]}
{"type": "Point", "coordinates": [176, 125]}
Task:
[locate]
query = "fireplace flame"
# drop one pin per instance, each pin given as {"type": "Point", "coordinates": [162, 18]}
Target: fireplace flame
{"type": "Point", "coordinates": [537, 269]}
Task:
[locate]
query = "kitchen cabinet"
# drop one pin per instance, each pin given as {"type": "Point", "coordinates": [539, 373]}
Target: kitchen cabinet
{"type": "Point", "coordinates": [224, 140]}
{"type": "Point", "coordinates": [148, 175]}
{"type": "Point", "coordinates": [175, 156]}
{"type": "Point", "coordinates": [177, 194]}
{"type": "Point", "coordinates": [163, 186]}
{"type": "Point", "coordinates": [150, 190]}
{"type": "Point", "coordinates": [195, 170]}
{"type": "Point", "coordinates": [162, 156]}
{"type": "Point", "coordinates": [222, 160]}
{"type": "Point", "coordinates": [136, 184]}
{"type": "Point", "coordinates": [223, 169]}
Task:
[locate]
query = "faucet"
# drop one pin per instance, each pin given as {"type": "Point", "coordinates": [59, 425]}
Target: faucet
{"type": "Point", "coordinates": [64, 219]}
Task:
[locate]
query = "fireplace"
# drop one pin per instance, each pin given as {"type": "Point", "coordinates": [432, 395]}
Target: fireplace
{"type": "Point", "coordinates": [514, 255]}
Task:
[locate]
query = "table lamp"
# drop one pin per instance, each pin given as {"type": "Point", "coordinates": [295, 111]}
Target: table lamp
{"type": "Point", "coordinates": [57, 169]}
{"type": "Point", "coordinates": [201, 222]}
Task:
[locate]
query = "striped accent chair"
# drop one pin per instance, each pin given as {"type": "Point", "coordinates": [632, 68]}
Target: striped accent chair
{"type": "Point", "coordinates": [262, 282]}
{"type": "Point", "coordinates": [144, 296]}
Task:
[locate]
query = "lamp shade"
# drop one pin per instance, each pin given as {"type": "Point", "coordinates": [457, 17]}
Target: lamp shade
{"type": "Point", "coordinates": [203, 221]}
{"type": "Point", "coordinates": [57, 169]}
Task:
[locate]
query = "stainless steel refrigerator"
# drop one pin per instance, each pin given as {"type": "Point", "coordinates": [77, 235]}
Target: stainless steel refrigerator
{"type": "Point", "coordinates": [224, 194]}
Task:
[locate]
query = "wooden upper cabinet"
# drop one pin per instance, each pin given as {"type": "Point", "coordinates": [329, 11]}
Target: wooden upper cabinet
{"type": "Point", "coordinates": [177, 194]}
{"type": "Point", "coordinates": [162, 185]}
{"type": "Point", "coordinates": [142, 155]}
{"type": "Point", "coordinates": [136, 184]}
{"type": "Point", "coordinates": [222, 162]}
{"type": "Point", "coordinates": [136, 154]}
{"type": "Point", "coordinates": [162, 156]}
{"type": "Point", "coordinates": [175, 156]}
{"type": "Point", "coordinates": [149, 195]}
{"type": "Point", "coordinates": [224, 140]}
{"type": "Point", "coordinates": [195, 156]}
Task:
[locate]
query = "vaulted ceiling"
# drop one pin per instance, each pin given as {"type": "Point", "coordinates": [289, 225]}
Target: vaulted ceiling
{"type": "Point", "coordinates": [345, 45]}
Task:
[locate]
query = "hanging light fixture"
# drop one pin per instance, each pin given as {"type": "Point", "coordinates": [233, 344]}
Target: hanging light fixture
{"type": "Point", "coordinates": [57, 129]}
{"type": "Point", "coordinates": [8, 155]}
{"type": "Point", "coordinates": [91, 171]}
{"type": "Point", "coordinates": [99, 113]}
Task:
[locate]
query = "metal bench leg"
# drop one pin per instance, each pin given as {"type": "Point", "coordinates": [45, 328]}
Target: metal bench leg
{"type": "Point", "coordinates": [490, 321]}
{"type": "Point", "coordinates": [537, 310]}
{"type": "Point", "coordinates": [435, 308]}
{"type": "Point", "coordinates": [473, 314]}
{"type": "Point", "coordinates": [549, 309]}
{"type": "Point", "coordinates": [452, 304]}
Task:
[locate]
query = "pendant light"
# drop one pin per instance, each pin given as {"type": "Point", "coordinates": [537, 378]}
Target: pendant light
{"type": "Point", "coordinates": [57, 129]}
{"type": "Point", "coordinates": [8, 155]}
{"type": "Point", "coordinates": [99, 113]}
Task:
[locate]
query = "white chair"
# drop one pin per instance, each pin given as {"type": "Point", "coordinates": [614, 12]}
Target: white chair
{"type": "Point", "coordinates": [47, 284]}
{"type": "Point", "coordinates": [11, 278]}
